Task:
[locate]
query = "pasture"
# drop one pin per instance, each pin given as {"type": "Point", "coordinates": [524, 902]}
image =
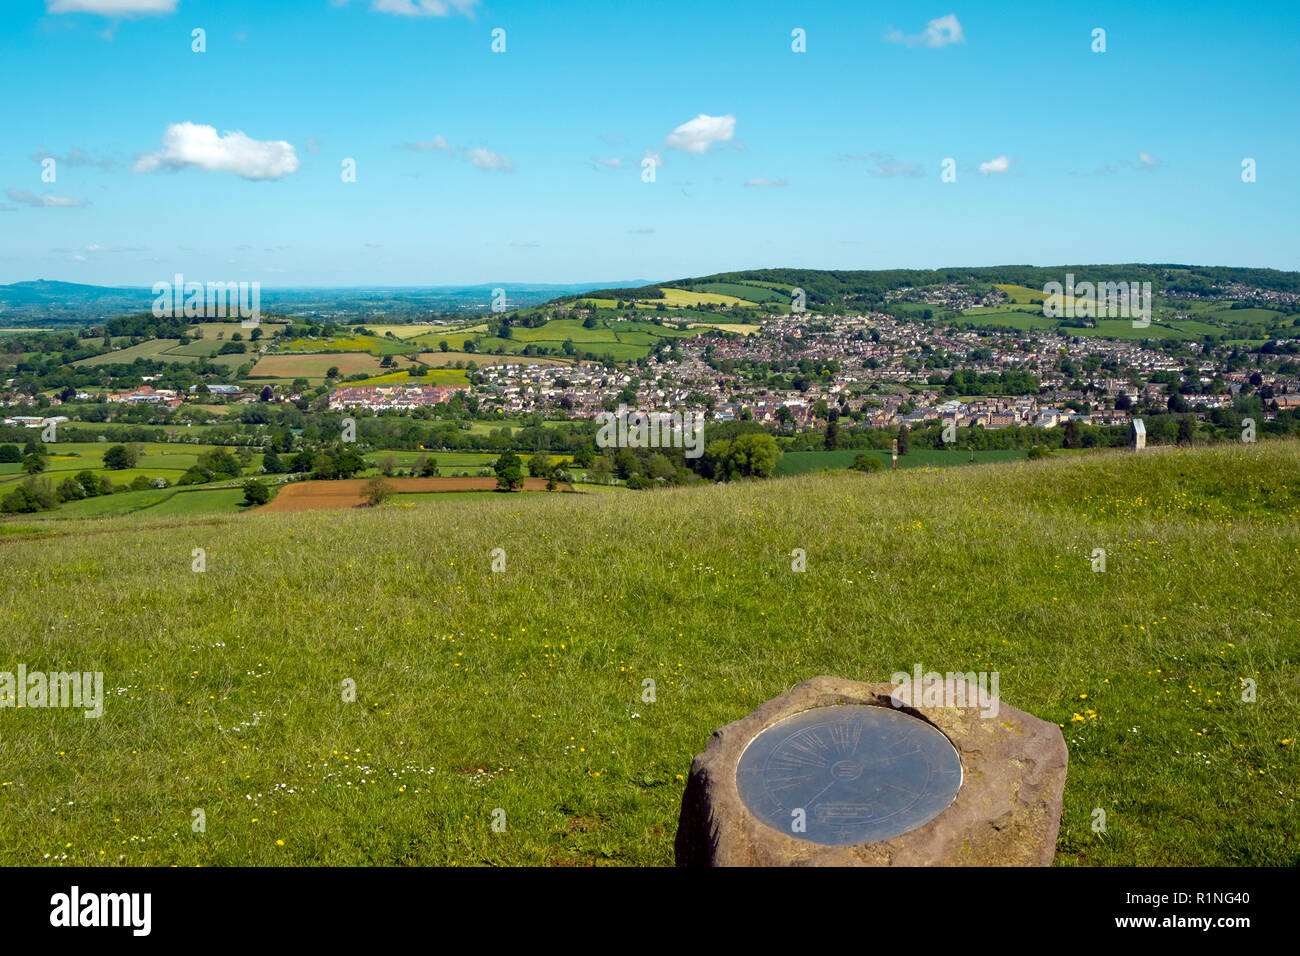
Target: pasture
{"type": "Point", "coordinates": [432, 376]}
{"type": "Point", "coordinates": [694, 297]}
{"type": "Point", "coordinates": [314, 366]}
{"type": "Point", "coordinates": [745, 292]}
{"type": "Point", "coordinates": [169, 460]}
{"type": "Point", "coordinates": [522, 690]}
{"type": "Point", "coordinates": [348, 493]}
{"type": "Point", "coordinates": [446, 359]}
{"type": "Point", "coordinates": [348, 343]}
{"type": "Point", "coordinates": [809, 462]}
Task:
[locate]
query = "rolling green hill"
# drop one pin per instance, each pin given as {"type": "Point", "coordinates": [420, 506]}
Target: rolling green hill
{"type": "Point", "coordinates": [523, 690]}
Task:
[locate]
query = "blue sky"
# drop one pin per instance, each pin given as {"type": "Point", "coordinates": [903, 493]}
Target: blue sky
{"type": "Point", "coordinates": [474, 166]}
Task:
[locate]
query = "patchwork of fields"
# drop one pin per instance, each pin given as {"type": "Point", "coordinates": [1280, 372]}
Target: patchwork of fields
{"type": "Point", "coordinates": [214, 336]}
{"type": "Point", "coordinates": [620, 340]}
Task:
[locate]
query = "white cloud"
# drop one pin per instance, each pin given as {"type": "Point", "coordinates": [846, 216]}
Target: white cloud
{"type": "Point", "coordinates": [193, 144]}
{"type": "Point", "coordinates": [47, 201]}
{"type": "Point", "coordinates": [887, 167]}
{"type": "Point", "coordinates": [612, 162]}
{"type": "Point", "coordinates": [486, 159]}
{"type": "Point", "coordinates": [766, 182]}
{"type": "Point", "coordinates": [112, 8]}
{"type": "Point", "coordinates": [697, 135]}
{"type": "Point", "coordinates": [999, 165]}
{"type": "Point", "coordinates": [478, 157]}
{"type": "Point", "coordinates": [438, 144]}
{"type": "Point", "coordinates": [1146, 159]}
{"type": "Point", "coordinates": [423, 8]}
{"type": "Point", "coordinates": [938, 32]}
{"type": "Point", "coordinates": [75, 157]}
{"type": "Point", "coordinates": [95, 248]}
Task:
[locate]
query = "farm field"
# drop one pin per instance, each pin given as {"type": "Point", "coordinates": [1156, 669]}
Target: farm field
{"type": "Point", "coordinates": [346, 343]}
{"type": "Point", "coordinates": [1022, 295]}
{"type": "Point", "coordinates": [152, 349]}
{"type": "Point", "coordinates": [191, 500]}
{"type": "Point", "coordinates": [1124, 329]}
{"type": "Point", "coordinates": [449, 462]}
{"type": "Point", "coordinates": [745, 292]}
{"type": "Point", "coordinates": [205, 348]}
{"type": "Point", "coordinates": [332, 495]}
{"type": "Point", "coordinates": [522, 690]}
{"type": "Point", "coordinates": [435, 376]}
{"type": "Point", "coordinates": [221, 331]}
{"type": "Point", "coordinates": [168, 460]}
{"type": "Point", "coordinates": [737, 327]}
{"type": "Point", "coordinates": [694, 297]}
{"type": "Point", "coordinates": [1011, 317]}
{"type": "Point", "coordinates": [808, 462]}
{"type": "Point", "coordinates": [402, 331]}
{"type": "Point", "coordinates": [445, 359]}
{"type": "Point", "coordinates": [622, 340]}
{"type": "Point", "coordinates": [314, 366]}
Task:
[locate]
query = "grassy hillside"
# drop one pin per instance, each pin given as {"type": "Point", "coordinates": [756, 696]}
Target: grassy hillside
{"type": "Point", "coordinates": [522, 690]}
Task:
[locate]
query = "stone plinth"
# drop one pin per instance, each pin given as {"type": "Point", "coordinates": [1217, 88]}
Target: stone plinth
{"type": "Point", "coordinates": [1006, 812]}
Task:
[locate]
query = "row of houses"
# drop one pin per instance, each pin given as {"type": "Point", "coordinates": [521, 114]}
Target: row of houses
{"type": "Point", "coordinates": [377, 397]}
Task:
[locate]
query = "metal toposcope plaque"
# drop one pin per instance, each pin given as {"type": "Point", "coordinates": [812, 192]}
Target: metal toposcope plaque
{"type": "Point", "coordinates": [857, 773]}
{"type": "Point", "coordinates": [837, 772]}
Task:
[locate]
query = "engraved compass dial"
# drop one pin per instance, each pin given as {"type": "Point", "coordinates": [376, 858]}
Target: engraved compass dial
{"type": "Point", "coordinates": [858, 773]}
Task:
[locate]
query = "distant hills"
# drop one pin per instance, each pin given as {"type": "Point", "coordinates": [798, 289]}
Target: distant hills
{"type": "Point", "coordinates": [828, 289]}
{"type": "Point", "coordinates": [46, 303]}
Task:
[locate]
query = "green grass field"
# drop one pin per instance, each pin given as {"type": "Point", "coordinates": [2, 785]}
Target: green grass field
{"type": "Point", "coordinates": [191, 500]}
{"type": "Point", "coordinates": [450, 463]}
{"type": "Point", "coordinates": [432, 376]}
{"type": "Point", "coordinates": [809, 462]}
{"type": "Point", "coordinates": [738, 290]}
{"type": "Point", "coordinates": [522, 690]}
{"type": "Point", "coordinates": [347, 343]}
{"type": "Point", "coordinates": [624, 341]}
{"type": "Point", "coordinates": [169, 460]}
{"type": "Point", "coordinates": [690, 297]}
{"type": "Point", "coordinates": [152, 349]}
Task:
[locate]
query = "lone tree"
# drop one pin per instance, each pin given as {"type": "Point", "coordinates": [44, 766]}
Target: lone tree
{"type": "Point", "coordinates": [540, 465]}
{"type": "Point", "coordinates": [119, 457]}
{"type": "Point", "coordinates": [867, 463]}
{"type": "Point", "coordinates": [376, 491]}
{"type": "Point", "coordinates": [256, 493]}
{"type": "Point", "coordinates": [510, 471]}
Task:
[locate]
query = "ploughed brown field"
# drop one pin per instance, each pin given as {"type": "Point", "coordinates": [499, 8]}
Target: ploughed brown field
{"type": "Point", "coordinates": [328, 495]}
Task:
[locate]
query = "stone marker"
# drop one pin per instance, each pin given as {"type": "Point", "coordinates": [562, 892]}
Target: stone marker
{"type": "Point", "coordinates": [1137, 434]}
{"type": "Point", "coordinates": [839, 773]}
